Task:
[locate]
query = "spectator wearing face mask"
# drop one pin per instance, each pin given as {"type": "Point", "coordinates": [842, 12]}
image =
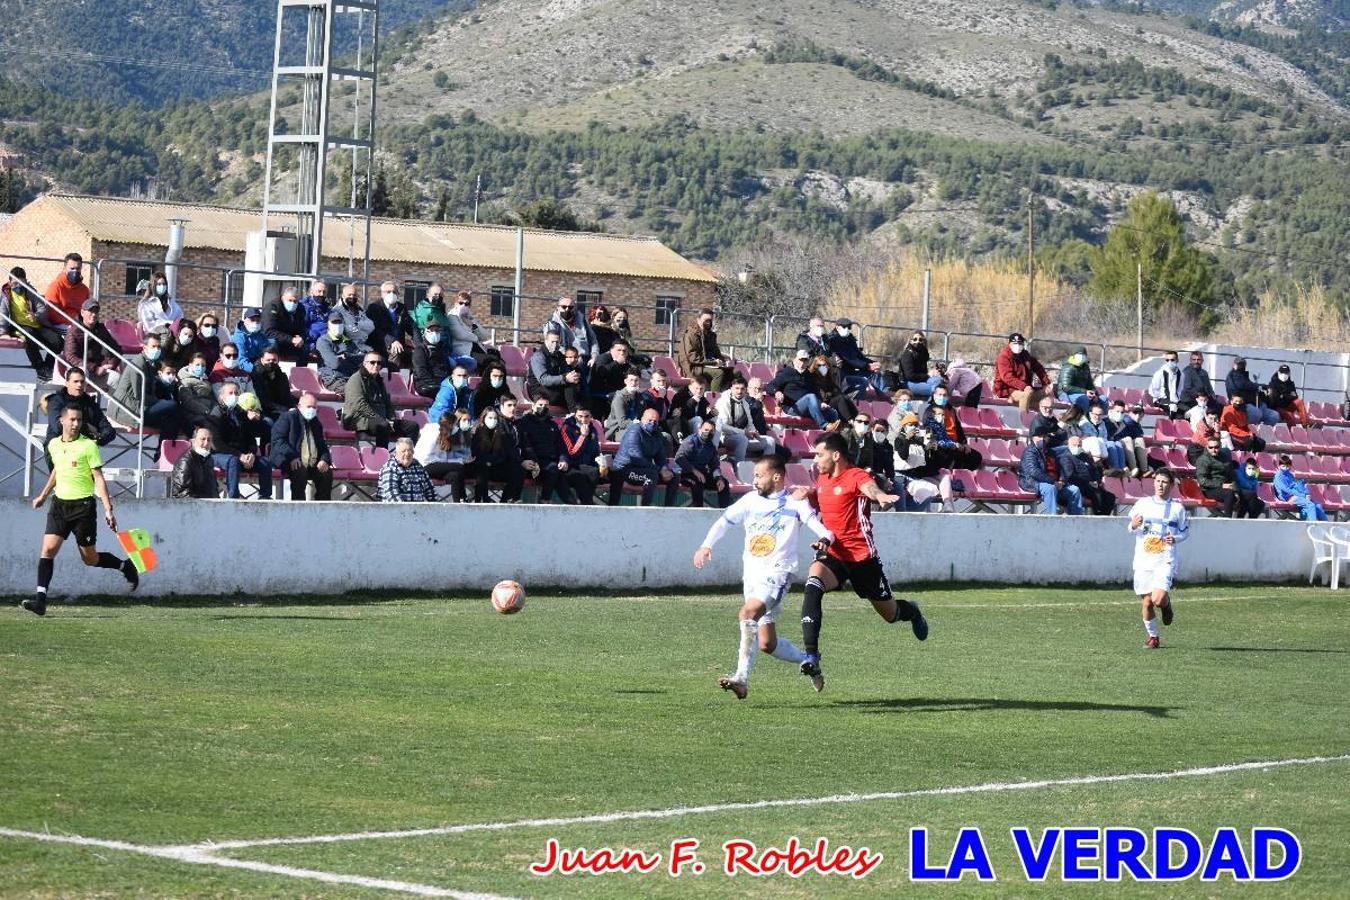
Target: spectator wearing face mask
{"type": "Point", "coordinates": [964, 383]}
{"type": "Point", "coordinates": [1045, 418]}
{"type": "Point", "coordinates": [1215, 471]}
{"type": "Point", "coordinates": [574, 331]}
{"type": "Point", "coordinates": [917, 468]}
{"type": "Point", "coordinates": [1295, 490]}
{"type": "Point", "coordinates": [581, 465]}
{"type": "Point", "coordinates": [468, 344]}
{"type": "Point", "coordinates": [1040, 473]}
{"type": "Point", "coordinates": [699, 353]}
{"type": "Point", "coordinates": [1096, 435]}
{"type": "Point", "coordinates": [1240, 382]}
{"type": "Point", "coordinates": [239, 436]}
{"type": "Point", "coordinates": [316, 306]}
{"type": "Point", "coordinates": [641, 461]}
{"type": "Point", "coordinates": [1284, 399]}
{"type": "Point", "coordinates": [902, 404]}
{"type": "Point", "coordinates": [430, 361]}
{"type": "Point", "coordinates": [271, 387]}
{"type": "Point", "coordinates": [339, 356]}
{"type": "Point", "coordinates": [914, 363]}
{"type": "Point", "coordinates": [140, 392]}
{"type": "Point", "coordinates": [368, 409]}
{"type": "Point", "coordinates": [549, 376]}
{"type": "Point", "coordinates": [177, 348]}
{"type": "Point", "coordinates": [699, 468]}
{"type": "Point", "coordinates": [356, 324]}
{"type": "Point", "coordinates": [227, 369]}
{"type": "Point", "coordinates": [496, 457]}
{"type": "Point", "coordinates": [618, 318]}
{"type": "Point", "coordinates": [492, 387]}
{"type": "Point", "coordinates": [1164, 388]}
{"type": "Point", "coordinates": [68, 293]}
{"type": "Point", "coordinates": [608, 375]}
{"type": "Point", "coordinates": [443, 450]}
{"type": "Point", "coordinates": [858, 371]}
{"type": "Point", "coordinates": [541, 449]}
{"type": "Point", "coordinates": [300, 451]}
{"type": "Point", "coordinates": [953, 450]}
{"type": "Point", "coordinates": [1082, 471]}
{"type": "Point", "coordinates": [796, 394]}
{"type": "Point", "coordinates": [1019, 376]}
{"type": "Point", "coordinates": [1075, 382]}
{"type": "Point", "coordinates": [250, 337]}
{"type": "Point", "coordinates": [1126, 431]}
{"type": "Point", "coordinates": [814, 341]}
{"type": "Point", "coordinates": [736, 418]}
{"type": "Point", "coordinates": [1248, 482]}
{"type": "Point", "coordinates": [828, 386]}
{"type": "Point", "coordinates": [194, 475]}
{"type": "Point", "coordinates": [431, 308]}
{"type": "Point", "coordinates": [605, 335]}
{"type": "Point", "coordinates": [876, 455]}
{"type": "Point", "coordinates": [454, 394]}
{"type": "Point", "coordinates": [157, 312]}
{"type": "Point", "coordinates": [25, 309]}
{"type": "Point", "coordinates": [394, 331]}
{"type": "Point", "coordinates": [196, 397]}
{"type": "Point", "coordinates": [287, 324]}
{"type": "Point", "coordinates": [208, 340]}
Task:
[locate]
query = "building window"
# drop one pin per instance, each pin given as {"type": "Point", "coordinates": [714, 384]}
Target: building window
{"type": "Point", "coordinates": [136, 273]}
{"type": "Point", "coordinates": [665, 309]}
{"type": "Point", "coordinates": [414, 292]}
{"type": "Point", "coordinates": [502, 302]}
{"type": "Point", "coordinates": [587, 300]}
{"type": "Point", "coordinates": [232, 288]}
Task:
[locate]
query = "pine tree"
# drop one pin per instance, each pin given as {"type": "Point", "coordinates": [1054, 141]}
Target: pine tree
{"type": "Point", "coordinates": [1152, 233]}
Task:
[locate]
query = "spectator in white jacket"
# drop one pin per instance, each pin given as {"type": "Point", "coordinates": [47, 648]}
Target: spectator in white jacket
{"type": "Point", "coordinates": [1164, 389]}
{"type": "Point", "coordinates": [467, 341]}
{"type": "Point", "coordinates": [735, 418]}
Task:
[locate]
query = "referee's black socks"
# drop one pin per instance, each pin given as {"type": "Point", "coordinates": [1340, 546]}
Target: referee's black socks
{"type": "Point", "coordinates": [811, 613]}
{"type": "Point", "coordinates": [108, 561]}
{"type": "Point", "coordinates": [45, 569]}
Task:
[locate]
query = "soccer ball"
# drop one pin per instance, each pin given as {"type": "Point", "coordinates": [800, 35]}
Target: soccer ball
{"type": "Point", "coordinates": [508, 597]}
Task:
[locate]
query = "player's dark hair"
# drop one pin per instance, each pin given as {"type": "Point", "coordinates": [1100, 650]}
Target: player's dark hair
{"type": "Point", "coordinates": [75, 370]}
{"type": "Point", "coordinates": [1285, 460]}
{"type": "Point", "coordinates": [72, 407]}
{"type": "Point", "coordinates": [833, 441]}
{"type": "Point", "coordinates": [739, 379]}
{"type": "Point", "coordinates": [1163, 470]}
{"type": "Point", "coordinates": [774, 462]}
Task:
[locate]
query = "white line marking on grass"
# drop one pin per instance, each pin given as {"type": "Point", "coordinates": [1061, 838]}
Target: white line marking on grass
{"type": "Point", "coordinates": [679, 811]}
{"type": "Point", "coordinates": [202, 857]}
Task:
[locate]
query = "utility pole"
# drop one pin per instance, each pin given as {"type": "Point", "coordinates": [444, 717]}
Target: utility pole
{"type": "Point", "coordinates": [1031, 267]}
{"type": "Point", "coordinates": [477, 190]}
{"type": "Point", "coordinates": [1139, 309]}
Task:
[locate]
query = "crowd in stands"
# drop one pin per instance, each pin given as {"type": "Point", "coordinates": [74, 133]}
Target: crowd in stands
{"type": "Point", "coordinates": [593, 415]}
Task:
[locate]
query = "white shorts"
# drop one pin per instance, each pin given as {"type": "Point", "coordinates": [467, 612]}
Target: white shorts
{"type": "Point", "coordinates": [1148, 579]}
{"type": "Point", "coordinates": [770, 589]}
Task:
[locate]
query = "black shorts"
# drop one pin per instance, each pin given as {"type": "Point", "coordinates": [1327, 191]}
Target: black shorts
{"type": "Point", "coordinates": [77, 517]}
{"type": "Point", "coordinates": [868, 580]}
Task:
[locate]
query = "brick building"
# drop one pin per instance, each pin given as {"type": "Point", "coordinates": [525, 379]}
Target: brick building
{"type": "Point", "coordinates": [126, 240]}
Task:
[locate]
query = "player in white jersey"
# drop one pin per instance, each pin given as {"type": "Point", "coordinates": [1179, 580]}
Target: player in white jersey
{"type": "Point", "coordinates": [1158, 524]}
{"type": "Point", "coordinates": [772, 520]}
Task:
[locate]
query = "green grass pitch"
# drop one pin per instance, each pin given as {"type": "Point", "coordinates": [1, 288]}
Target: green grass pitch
{"type": "Point", "coordinates": [161, 724]}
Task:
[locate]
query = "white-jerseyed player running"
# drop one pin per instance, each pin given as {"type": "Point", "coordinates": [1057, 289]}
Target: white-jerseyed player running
{"type": "Point", "coordinates": [772, 520]}
{"type": "Point", "coordinates": [1158, 524]}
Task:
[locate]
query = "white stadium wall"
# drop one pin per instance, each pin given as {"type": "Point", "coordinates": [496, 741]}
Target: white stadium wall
{"type": "Point", "coordinates": [217, 547]}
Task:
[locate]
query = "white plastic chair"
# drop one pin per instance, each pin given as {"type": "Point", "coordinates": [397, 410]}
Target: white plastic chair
{"type": "Point", "coordinates": [1325, 550]}
{"type": "Point", "coordinates": [1340, 538]}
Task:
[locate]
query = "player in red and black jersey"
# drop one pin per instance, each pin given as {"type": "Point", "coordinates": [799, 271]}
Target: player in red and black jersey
{"type": "Point", "coordinates": [844, 494]}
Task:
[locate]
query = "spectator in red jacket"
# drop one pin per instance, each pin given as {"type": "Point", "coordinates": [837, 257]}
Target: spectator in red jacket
{"type": "Point", "coordinates": [1234, 420]}
{"type": "Point", "coordinates": [1019, 376]}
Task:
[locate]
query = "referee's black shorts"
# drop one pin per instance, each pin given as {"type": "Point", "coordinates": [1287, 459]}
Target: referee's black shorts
{"type": "Point", "coordinates": [868, 580]}
{"type": "Point", "coordinates": [77, 517]}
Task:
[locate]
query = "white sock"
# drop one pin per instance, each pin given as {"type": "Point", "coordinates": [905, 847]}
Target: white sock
{"type": "Point", "coordinates": [749, 647]}
{"type": "Point", "coordinates": [789, 651]}
{"type": "Point", "coordinates": [1151, 626]}
{"type": "Point", "coordinates": [41, 589]}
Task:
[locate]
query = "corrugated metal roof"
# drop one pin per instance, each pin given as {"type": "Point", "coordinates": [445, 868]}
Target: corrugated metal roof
{"type": "Point", "coordinates": [118, 220]}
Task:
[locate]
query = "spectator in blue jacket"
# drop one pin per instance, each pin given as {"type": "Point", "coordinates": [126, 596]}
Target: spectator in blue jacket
{"type": "Point", "coordinates": [250, 337]}
{"type": "Point", "coordinates": [1040, 474]}
{"type": "Point", "coordinates": [700, 467]}
{"type": "Point", "coordinates": [1287, 487]}
{"type": "Point", "coordinates": [454, 394]}
{"type": "Point", "coordinates": [316, 306]}
{"type": "Point", "coordinates": [1248, 477]}
{"type": "Point", "coordinates": [641, 461]}
{"type": "Point", "coordinates": [300, 451]}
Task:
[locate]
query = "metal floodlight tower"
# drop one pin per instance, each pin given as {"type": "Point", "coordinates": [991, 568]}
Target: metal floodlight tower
{"type": "Point", "coordinates": [305, 134]}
